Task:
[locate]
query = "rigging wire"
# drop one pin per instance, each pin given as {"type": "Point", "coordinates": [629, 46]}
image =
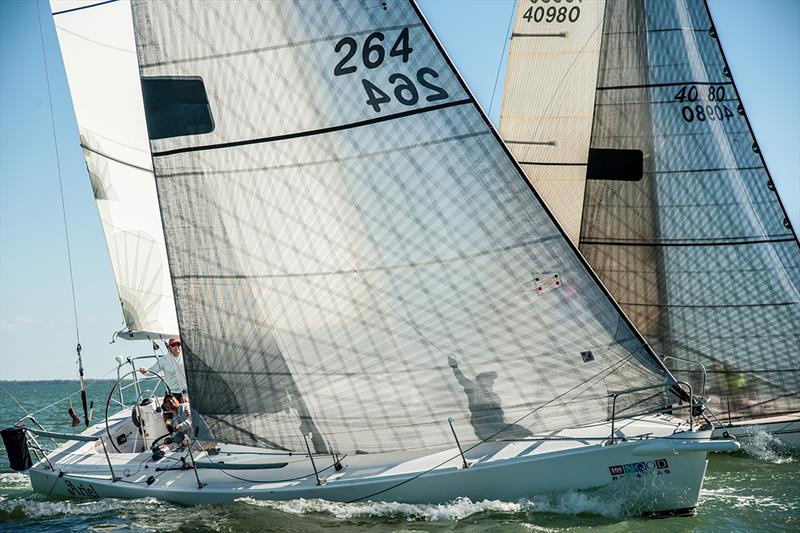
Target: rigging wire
{"type": "Point", "coordinates": [86, 408]}
{"type": "Point", "coordinates": [502, 55]}
{"type": "Point", "coordinates": [92, 383]}
{"type": "Point", "coordinates": [15, 400]}
{"type": "Point", "coordinates": [60, 180]}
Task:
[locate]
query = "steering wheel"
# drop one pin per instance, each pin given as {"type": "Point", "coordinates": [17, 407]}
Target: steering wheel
{"type": "Point", "coordinates": [139, 401]}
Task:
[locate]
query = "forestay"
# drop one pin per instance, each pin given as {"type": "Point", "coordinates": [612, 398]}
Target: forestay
{"type": "Point", "coordinates": [698, 250]}
{"type": "Point", "coordinates": [99, 54]}
{"type": "Point", "coordinates": [354, 253]}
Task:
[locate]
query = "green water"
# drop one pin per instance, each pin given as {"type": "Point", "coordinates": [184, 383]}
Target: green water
{"type": "Point", "coordinates": [755, 492]}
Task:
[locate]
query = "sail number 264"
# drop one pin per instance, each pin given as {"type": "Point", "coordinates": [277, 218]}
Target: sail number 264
{"type": "Point", "coordinates": [373, 55]}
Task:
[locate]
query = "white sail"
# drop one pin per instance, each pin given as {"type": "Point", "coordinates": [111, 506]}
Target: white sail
{"type": "Point", "coordinates": [98, 49]}
{"type": "Point", "coordinates": [695, 246]}
{"type": "Point", "coordinates": [354, 254]}
{"type": "Point", "coordinates": [548, 104]}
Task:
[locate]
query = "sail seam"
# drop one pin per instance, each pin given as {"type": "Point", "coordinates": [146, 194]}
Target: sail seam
{"type": "Point", "coordinates": [98, 43]}
{"type": "Point", "coordinates": [694, 243]}
{"type": "Point", "coordinates": [534, 143]}
{"type": "Point", "coordinates": [326, 161]}
{"type": "Point", "coordinates": [753, 371]}
{"type": "Point", "coordinates": [542, 163]}
{"type": "Point", "coordinates": [309, 133]}
{"type": "Point", "coordinates": [81, 8]}
{"type": "Point", "coordinates": [371, 269]}
{"type": "Point", "coordinates": [690, 170]}
{"type": "Point", "coordinates": [710, 306]}
{"type": "Point", "coordinates": [658, 30]}
{"type": "Point", "coordinates": [666, 84]}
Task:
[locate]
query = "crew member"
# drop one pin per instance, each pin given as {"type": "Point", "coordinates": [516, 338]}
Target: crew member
{"type": "Point", "coordinates": [171, 368]}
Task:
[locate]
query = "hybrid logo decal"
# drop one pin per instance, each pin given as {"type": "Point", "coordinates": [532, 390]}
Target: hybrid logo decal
{"type": "Point", "coordinates": [657, 467]}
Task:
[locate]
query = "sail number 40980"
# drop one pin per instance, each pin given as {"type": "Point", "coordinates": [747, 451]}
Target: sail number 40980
{"type": "Point", "coordinates": [541, 12]}
{"type": "Point", "coordinates": [714, 110]}
{"type": "Point", "coordinates": [373, 55]}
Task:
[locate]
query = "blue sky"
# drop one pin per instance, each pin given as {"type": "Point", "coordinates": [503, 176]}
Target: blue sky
{"type": "Point", "coordinates": [37, 330]}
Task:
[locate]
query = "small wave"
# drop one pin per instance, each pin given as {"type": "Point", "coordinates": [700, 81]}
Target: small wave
{"type": "Point", "coordinates": [27, 508]}
{"type": "Point", "coordinates": [764, 446]}
{"type": "Point", "coordinates": [605, 503]}
{"type": "Point", "coordinates": [535, 527]}
{"type": "Point", "coordinates": [597, 502]}
{"type": "Point", "coordinates": [740, 499]}
{"type": "Point", "coordinates": [455, 510]}
{"type": "Point", "coordinates": [14, 481]}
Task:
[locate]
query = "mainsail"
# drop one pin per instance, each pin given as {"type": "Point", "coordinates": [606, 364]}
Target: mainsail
{"type": "Point", "coordinates": [695, 245]}
{"type": "Point", "coordinates": [354, 253]}
{"type": "Point", "coordinates": [99, 54]}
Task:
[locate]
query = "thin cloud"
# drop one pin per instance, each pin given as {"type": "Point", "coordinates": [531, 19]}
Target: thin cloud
{"type": "Point", "coordinates": [19, 322]}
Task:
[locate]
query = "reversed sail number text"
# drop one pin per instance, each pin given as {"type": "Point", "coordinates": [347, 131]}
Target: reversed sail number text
{"type": "Point", "coordinates": [700, 112]}
{"type": "Point", "coordinates": [373, 54]}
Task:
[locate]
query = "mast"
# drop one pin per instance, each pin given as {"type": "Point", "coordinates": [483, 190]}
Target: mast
{"type": "Point", "coordinates": [83, 386]}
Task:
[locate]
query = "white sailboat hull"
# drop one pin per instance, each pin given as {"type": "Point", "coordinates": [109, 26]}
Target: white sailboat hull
{"type": "Point", "coordinates": [647, 474]}
{"type": "Point", "coordinates": [784, 428]}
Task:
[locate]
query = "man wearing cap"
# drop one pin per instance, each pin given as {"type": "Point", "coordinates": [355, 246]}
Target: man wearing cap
{"type": "Point", "coordinates": [170, 367]}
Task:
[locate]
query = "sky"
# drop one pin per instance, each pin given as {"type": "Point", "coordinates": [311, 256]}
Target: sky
{"type": "Point", "coordinates": [761, 39]}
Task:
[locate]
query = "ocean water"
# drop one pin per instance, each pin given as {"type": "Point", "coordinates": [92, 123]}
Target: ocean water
{"type": "Point", "coordinates": [754, 491]}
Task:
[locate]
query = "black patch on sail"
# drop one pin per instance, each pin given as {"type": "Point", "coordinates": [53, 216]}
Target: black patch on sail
{"type": "Point", "coordinates": [613, 164]}
{"type": "Point", "coordinates": [176, 106]}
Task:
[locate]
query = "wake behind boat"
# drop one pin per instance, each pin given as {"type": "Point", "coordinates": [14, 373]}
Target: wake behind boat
{"type": "Point", "coordinates": [374, 303]}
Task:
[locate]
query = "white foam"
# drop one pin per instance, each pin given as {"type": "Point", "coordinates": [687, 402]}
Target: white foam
{"type": "Point", "coordinates": [14, 481]}
{"type": "Point", "coordinates": [764, 446]}
{"type": "Point", "coordinates": [42, 508]}
{"type": "Point", "coordinates": [742, 499]}
{"type": "Point", "coordinates": [611, 504]}
{"type": "Point", "coordinates": [455, 510]}
{"type": "Point", "coordinates": [534, 527]}
{"type": "Point", "coordinates": [598, 502]}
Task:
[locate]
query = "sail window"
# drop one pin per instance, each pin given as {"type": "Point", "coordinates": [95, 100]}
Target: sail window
{"type": "Point", "coordinates": [613, 164]}
{"type": "Point", "coordinates": [176, 107]}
